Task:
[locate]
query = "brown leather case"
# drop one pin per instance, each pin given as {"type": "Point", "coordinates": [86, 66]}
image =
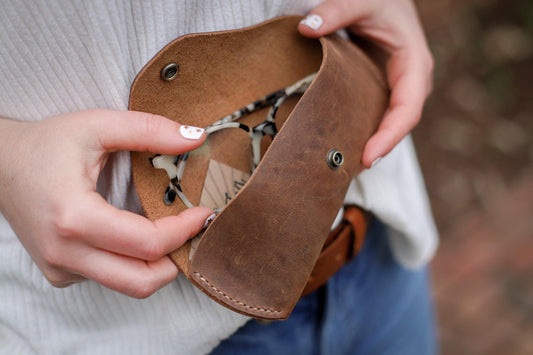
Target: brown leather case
{"type": "Point", "coordinates": [257, 255]}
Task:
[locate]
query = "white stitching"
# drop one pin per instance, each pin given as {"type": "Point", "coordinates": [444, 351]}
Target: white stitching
{"type": "Point", "coordinates": [231, 299]}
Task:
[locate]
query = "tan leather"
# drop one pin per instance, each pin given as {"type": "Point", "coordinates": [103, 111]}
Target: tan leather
{"type": "Point", "coordinates": [342, 245]}
{"type": "Point", "coordinates": [257, 254]}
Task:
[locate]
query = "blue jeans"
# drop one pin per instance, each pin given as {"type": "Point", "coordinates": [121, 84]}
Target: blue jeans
{"type": "Point", "coordinates": [371, 306]}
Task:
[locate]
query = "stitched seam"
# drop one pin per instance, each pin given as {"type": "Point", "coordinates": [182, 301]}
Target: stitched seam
{"type": "Point", "coordinates": [203, 279]}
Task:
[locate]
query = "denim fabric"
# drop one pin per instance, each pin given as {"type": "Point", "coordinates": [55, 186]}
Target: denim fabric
{"type": "Point", "coordinates": [371, 306]}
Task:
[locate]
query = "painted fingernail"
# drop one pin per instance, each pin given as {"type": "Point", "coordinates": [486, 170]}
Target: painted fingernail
{"type": "Point", "coordinates": [312, 21]}
{"type": "Point", "coordinates": [191, 132]}
{"type": "Point", "coordinates": [209, 220]}
{"type": "Point", "coordinates": [375, 162]}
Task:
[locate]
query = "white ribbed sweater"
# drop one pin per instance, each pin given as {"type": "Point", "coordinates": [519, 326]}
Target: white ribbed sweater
{"type": "Point", "coordinates": [62, 56]}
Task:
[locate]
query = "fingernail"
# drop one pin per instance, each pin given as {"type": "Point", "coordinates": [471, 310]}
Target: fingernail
{"type": "Point", "coordinates": [312, 21]}
{"type": "Point", "coordinates": [375, 162]}
{"type": "Point", "coordinates": [191, 132]}
{"type": "Point", "coordinates": [209, 220]}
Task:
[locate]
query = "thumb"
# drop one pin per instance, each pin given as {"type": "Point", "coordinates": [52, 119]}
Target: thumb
{"type": "Point", "coordinates": [140, 131]}
{"type": "Point", "coordinates": [332, 15]}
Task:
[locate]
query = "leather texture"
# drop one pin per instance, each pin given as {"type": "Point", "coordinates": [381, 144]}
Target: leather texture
{"type": "Point", "coordinates": [258, 253]}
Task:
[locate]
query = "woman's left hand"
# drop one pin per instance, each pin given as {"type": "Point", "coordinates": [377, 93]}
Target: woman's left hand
{"type": "Point", "coordinates": [394, 26]}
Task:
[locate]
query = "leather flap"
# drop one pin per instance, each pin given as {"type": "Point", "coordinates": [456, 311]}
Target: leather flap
{"type": "Point", "coordinates": [257, 255]}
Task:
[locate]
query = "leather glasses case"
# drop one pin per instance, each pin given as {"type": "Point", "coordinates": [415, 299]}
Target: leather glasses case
{"type": "Point", "coordinates": [257, 254]}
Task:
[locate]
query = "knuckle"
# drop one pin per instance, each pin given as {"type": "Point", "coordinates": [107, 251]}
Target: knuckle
{"type": "Point", "coordinates": [430, 60]}
{"type": "Point", "coordinates": [153, 124]}
{"type": "Point", "coordinates": [416, 119]}
{"type": "Point", "coordinates": [427, 58]}
{"type": "Point", "coordinates": [65, 222]}
{"type": "Point", "coordinates": [52, 256]}
{"type": "Point", "coordinates": [144, 289]}
{"type": "Point", "coordinates": [431, 69]}
{"type": "Point", "coordinates": [152, 249]}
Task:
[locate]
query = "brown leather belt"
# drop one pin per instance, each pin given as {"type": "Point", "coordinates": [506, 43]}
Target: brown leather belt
{"type": "Point", "coordinates": [341, 246]}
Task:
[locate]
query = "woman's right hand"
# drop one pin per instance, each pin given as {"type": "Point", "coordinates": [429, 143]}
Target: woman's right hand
{"type": "Point", "coordinates": [48, 175]}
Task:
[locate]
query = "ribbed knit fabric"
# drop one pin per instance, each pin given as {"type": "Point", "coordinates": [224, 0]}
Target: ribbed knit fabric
{"type": "Point", "coordinates": [62, 56]}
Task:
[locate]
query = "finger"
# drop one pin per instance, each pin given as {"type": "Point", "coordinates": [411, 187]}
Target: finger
{"type": "Point", "coordinates": [108, 228]}
{"type": "Point", "coordinates": [332, 15]}
{"type": "Point", "coordinates": [133, 277]}
{"type": "Point", "coordinates": [410, 82]}
{"type": "Point", "coordinates": [139, 131]}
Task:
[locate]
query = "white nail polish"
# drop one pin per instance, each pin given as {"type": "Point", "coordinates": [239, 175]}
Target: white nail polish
{"type": "Point", "coordinates": [312, 21]}
{"type": "Point", "coordinates": [375, 162]}
{"type": "Point", "coordinates": [191, 132]}
{"type": "Point", "coordinates": [209, 220]}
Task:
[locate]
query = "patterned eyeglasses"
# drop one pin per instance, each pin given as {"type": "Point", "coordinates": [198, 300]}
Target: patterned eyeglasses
{"type": "Point", "coordinates": [174, 165]}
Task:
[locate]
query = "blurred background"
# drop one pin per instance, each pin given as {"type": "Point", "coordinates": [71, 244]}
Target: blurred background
{"type": "Point", "coordinates": [476, 150]}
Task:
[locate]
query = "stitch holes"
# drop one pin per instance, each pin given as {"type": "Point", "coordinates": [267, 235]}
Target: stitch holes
{"type": "Point", "coordinates": [204, 280]}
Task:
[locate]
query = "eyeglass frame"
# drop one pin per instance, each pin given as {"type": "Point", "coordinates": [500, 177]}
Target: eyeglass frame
{"type": "Point", "coordinates": [174, 165]}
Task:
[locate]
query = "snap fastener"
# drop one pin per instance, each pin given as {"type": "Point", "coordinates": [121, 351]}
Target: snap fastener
{"type": "Point", "coordinates": [170, 71]}
{"type": "Point", "coordinates": [335, 159]}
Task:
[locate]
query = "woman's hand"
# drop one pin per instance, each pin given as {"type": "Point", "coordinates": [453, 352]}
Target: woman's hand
{"type": "Point", "coordinates": [48, 174]}
{"type": "Point", "coordinates": [395, 27]}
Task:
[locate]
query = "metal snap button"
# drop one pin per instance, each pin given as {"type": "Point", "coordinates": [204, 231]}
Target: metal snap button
{"type": "Point", "coordinates": [335, 159]}
{"type": "Point", "coordinates": [170, 71]}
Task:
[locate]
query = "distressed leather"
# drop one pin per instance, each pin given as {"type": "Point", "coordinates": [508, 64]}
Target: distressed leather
{"type": "Point", "coordinates": [257, 255]}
